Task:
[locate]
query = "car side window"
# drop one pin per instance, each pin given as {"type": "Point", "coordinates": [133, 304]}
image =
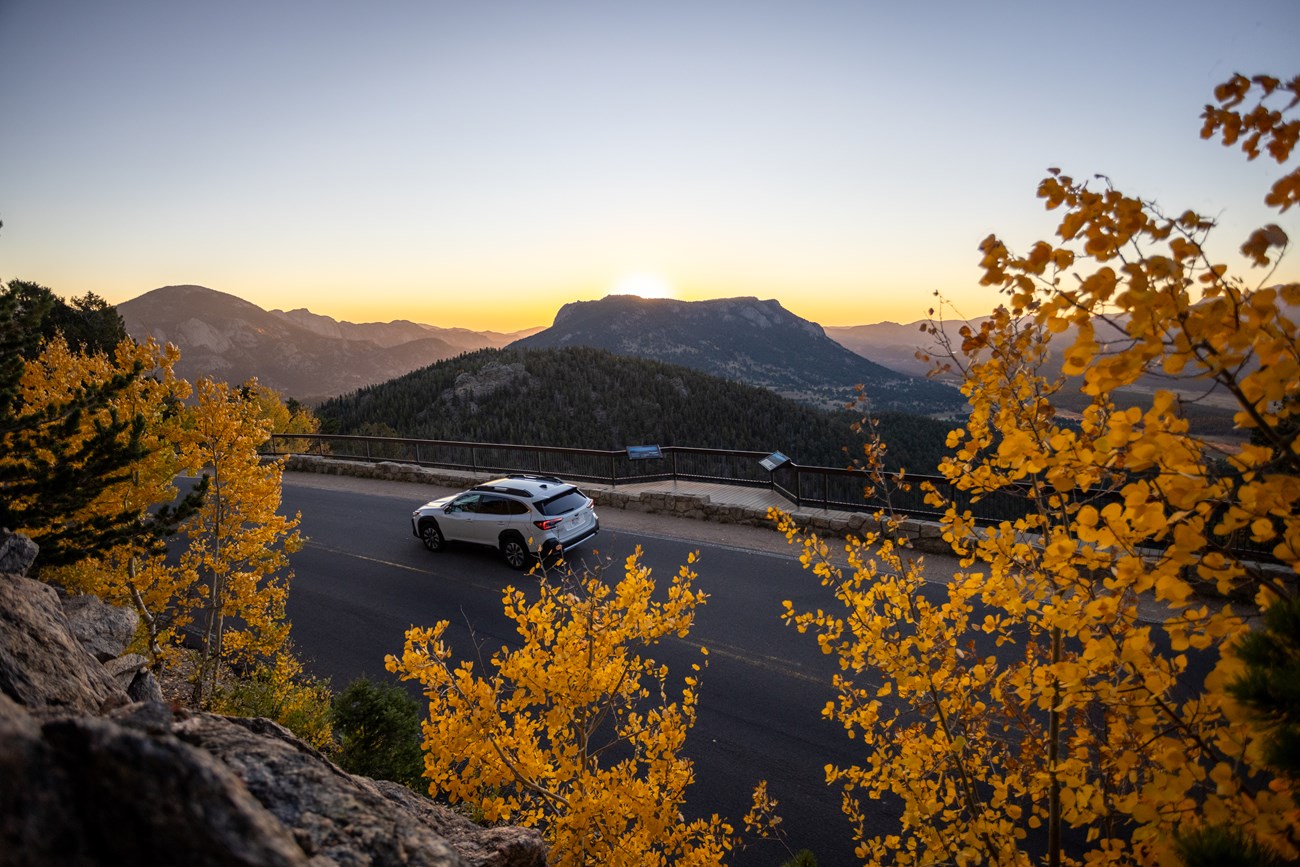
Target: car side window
{"type": "Point", "coordinates": [466, 503]}
{"type": "Point", "coordinates": [514, 507]}
{"type": "Point", "coordinates": [491, 505]}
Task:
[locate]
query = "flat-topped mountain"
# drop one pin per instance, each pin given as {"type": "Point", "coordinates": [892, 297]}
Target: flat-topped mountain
{"type": "Point", "coordinates": [301, 354]}
{"type": "Point", "coordinates": [743, 339]}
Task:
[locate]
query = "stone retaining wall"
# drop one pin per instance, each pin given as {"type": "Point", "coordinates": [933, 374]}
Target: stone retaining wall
{"type": "Point", "coordinates": [923, 535]}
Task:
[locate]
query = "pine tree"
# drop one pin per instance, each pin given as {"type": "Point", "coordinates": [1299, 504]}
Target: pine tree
{"type": "Point", "coordinates": [59, 452]}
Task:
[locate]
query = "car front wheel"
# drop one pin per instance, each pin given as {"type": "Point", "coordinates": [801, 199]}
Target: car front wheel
{"type": "Point", "coordinates": [431, 536]}
{"type": "Point", "coordinates": [515, 552]}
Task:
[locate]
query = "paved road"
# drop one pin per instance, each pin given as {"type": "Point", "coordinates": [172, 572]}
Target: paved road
{"type": "Point", "coordinates": [363, 578]}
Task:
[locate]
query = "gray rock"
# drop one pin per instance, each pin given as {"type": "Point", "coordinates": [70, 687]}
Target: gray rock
{"type": "Point", "coordinates": [41, 665]}
{"type": "Point", "coordinates": [151, 717]}
{"type": "Point", "coordinates": [142, 785]}
{"type": "Point", "coordinates": [331, 813]}
{"type": "Point", "coordinates": [17, 553]}
{"type": "Point", "coordinates": [108, 794]}
{"type": "Point", "coordinates": [145, 687]}
{"type": "Point", "coordinates": [123, 669]}
{"type": "Point", "coordinates": [507, 846]}
{"type": "Point", "coordinates": [105, 630]}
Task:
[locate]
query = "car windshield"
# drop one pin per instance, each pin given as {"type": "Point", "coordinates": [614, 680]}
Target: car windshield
{"type": "Point", "coordinates": [564, 503]}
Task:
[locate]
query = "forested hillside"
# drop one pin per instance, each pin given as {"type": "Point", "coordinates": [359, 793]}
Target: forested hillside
{"type": "Point", "coordinates": [588, 398]}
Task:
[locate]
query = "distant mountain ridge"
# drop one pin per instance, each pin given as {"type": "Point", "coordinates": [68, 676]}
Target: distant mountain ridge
{"type": "Point", "coordinates": [301, 354]}
{"type": "Point", "coordinates": [742, 339]}
{"type": "Point", "coordinates": [889, 343]}
{"type": "Point", "coordinates": [397, 332]}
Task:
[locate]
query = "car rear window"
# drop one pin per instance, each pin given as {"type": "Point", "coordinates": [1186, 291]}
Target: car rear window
{"type": "Point", "coordinates": [562, 504]}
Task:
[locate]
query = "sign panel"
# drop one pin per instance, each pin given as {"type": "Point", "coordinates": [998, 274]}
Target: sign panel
{"type": "Point", "coordinates": [641, 453]}
{"type": "Point", "coordinates": [772, 461]}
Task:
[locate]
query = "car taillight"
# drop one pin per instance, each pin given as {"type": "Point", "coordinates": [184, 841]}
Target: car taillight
{"type": "Point", "coordinates": [547, 523]}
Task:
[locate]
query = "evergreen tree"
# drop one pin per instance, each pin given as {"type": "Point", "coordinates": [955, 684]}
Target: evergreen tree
{"type": "Point", "coordinates": [57, 454]}
{"type": "Point", "coordinates": [378, 727]}
{"type": "Point", "coordinates": [1270, 685]}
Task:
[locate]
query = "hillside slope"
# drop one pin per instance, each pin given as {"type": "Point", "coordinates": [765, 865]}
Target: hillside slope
{"type": "Point", "coordinates": [298, 353]}
{"type": "Point", "coordinates": [889, 343]}
{"type": "Point", "coordinates": [580, 397]}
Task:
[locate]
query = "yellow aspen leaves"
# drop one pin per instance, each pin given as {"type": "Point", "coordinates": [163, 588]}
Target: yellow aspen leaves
{"type": "Point", "coordinates": [131, 573]}
{"type": "Point", "coordinates": [577, 731]}
{"type": "Point", "coordinates": [1117, 597]}
{"type": "Point", "coordinates": [238, 544]}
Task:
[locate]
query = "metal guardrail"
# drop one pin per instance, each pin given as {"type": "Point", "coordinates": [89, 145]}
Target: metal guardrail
{"type": "Point", "coordinates": [841, 489]}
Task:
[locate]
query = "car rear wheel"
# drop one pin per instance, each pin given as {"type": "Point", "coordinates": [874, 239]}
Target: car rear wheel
{"type": "Point", "coordinates": [515, 552]}
{"type": "Point", "coordinates": [431, 536]}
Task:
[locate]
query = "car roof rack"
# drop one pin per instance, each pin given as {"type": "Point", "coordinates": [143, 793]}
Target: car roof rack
{"type": "Point", "coordinates": [535, 477]}
{"type": "Point", "coordinates": [496, 487]}
{"type": "Point", "coordinates": [502, 489]}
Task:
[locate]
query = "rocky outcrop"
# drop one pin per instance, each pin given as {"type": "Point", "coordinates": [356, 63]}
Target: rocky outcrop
{"type": "Point", "coordinates": [42, 665]}
{"type": "Point", "coordinates": [95, 770]}
{"type": "Point", "coordinates": [104, 630]}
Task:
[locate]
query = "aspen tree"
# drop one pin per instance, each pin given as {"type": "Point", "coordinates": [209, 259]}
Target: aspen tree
{"type": "Point", "coordinates": [128, 570]}
{"type": "Point", "coordinates": [577, 731]}
{"type": "Point", "coordinates": [59, 450]}
{"type": "Point", "coordinates": [238, 543]}
{"type": "Point", "coordinates": [1051, 698]}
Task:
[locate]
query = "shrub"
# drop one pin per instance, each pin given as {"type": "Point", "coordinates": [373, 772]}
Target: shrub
{"type": "Point", "coordinates": [378, 727]}
{"type": "Point", "coordinates": [280, 690]}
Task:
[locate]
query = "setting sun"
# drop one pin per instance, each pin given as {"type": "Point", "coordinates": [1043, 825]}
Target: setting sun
{"type": "Point", "coordinates": [644, 285]}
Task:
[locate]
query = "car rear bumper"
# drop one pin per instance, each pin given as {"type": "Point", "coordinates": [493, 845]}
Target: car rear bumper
{"type": "Point", "coordinates": [550, 546]}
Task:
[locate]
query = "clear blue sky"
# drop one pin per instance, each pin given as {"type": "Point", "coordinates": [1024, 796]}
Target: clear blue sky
{"type": "Point", "coordinates": [482, 163]}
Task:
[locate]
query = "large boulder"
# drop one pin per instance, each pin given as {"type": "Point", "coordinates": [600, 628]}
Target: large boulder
{"type": "Point", "coordinates": [503, 846]}
{"type": "Point", "coordinates": [330, 813]}
{"type": "Point", "coordinates": [104, 630]}
{"type": "Point", "coordinates": [97, 792]}
{"type": "Point", "coordinates": [17, 553]}
{"type": "Point", "coordinates": [42, 666]}
{"type": "Point", "coordinates": [88, 778]}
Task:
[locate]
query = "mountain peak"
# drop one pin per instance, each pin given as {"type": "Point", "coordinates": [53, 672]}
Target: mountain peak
{"type": "Point", "coordinates": [303, 354]}
{"type": "Point", "coordinates": [745, 339]}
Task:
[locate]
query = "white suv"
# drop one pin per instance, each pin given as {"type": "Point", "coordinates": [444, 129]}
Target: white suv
{"type": "Point", "coordinates": [523, 516]}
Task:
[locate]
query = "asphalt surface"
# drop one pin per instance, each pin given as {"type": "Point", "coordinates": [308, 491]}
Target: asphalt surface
{"type": "Point", "coordinates": [363, 578]}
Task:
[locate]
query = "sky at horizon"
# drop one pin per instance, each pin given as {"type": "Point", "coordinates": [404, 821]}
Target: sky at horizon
{"type": "Point", "coordinates": [481, 164]}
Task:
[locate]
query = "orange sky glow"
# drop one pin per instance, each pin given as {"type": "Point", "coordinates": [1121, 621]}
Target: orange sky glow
{"type": "Point", "coordinates": [480, 165]}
